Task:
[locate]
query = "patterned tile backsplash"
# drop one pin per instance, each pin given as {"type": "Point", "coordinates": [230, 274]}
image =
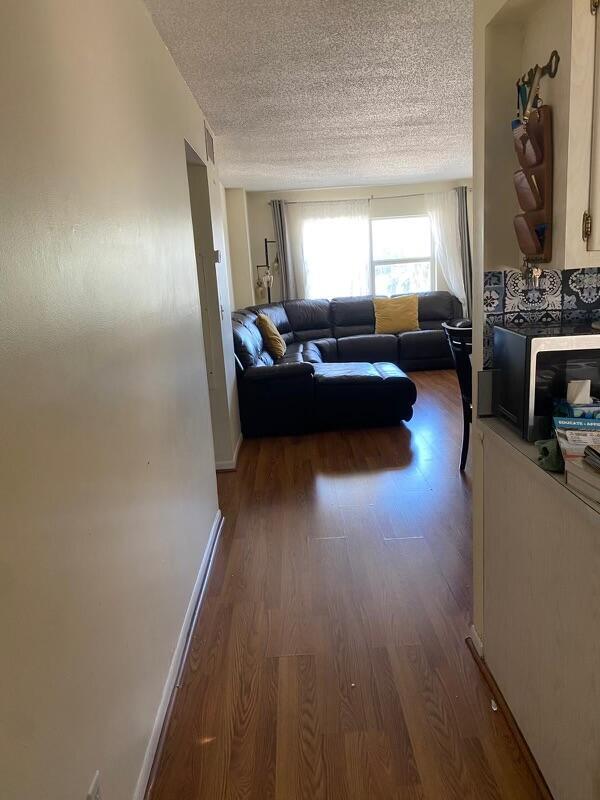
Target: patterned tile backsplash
{"type": "Point", "coordinates": [569, 296]}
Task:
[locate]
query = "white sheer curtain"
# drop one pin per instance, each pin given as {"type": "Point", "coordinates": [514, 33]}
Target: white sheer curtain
{"type": "Point", "coordinates": [442, 208]}
{"type": "Point", "coordinates": [330, 248]}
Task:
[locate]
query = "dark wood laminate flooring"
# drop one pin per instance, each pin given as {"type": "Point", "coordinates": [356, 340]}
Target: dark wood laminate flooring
{"type": "Point", "coordinates": [328, 660]}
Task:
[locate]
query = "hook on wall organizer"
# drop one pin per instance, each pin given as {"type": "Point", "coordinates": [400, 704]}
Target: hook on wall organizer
{"type": "Point", "coordinates": [528, 85]}
{"type": "Point", "coordinates": [550, 69]}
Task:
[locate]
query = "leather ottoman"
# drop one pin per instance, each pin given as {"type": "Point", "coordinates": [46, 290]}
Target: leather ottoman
{"type": "Point", "coordinates": [357, 394]}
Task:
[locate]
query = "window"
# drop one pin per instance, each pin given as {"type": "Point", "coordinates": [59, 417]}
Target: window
{"type": "Point", "coordinates": [401, 255]}
{"type": "Point", "coordinates": [330, 248]}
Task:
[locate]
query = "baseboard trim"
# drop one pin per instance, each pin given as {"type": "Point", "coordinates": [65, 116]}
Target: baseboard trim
{"type": "Point", "coordinates": [504, 709]}
{"type": "Point", "coordinates": [230, 466]}
{"type": "Point", "coordinates": [155, 744]}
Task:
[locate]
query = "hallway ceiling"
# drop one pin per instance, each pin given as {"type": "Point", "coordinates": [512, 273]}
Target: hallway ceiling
{"type": "Point", "coordinates": [328, 92]}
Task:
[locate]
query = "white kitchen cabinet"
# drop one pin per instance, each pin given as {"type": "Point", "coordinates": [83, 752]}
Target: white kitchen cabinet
{"type": "Point", "coordinates": [542, 612]}
{"type": "Point", "coordinates": [522, 34]}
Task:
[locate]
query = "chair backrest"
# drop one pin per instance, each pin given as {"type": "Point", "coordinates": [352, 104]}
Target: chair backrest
{"type": "Point", "coordinates": [460, 339]}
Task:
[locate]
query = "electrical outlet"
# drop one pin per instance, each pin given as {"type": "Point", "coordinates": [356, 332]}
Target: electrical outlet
{"type": "Point", "coordinates": [94, 792]}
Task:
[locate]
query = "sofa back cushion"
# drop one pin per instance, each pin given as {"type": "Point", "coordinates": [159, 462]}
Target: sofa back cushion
{"type": "Point", "coordinates": [305, 320]}
{"type": "Point", "coordinates": [438, 307]}
{"type": "Point", "coordinates": [352, 316]}
{"type": "Point", "coordinates": [310, 319]}
{"type": "Point", "coordinates": [247, 341]}
{"type": "Point", "coordinates": [277, 315]}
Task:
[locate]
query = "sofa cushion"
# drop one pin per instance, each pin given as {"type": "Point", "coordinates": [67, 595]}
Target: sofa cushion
{"type": "Point", "coordinates": [358, 372]}
{"type": "Point", "coordinates": [276, 313]}
{"type": "Point", "coordinates": [391, 372]}
{"type": "Point", "coordinates": [301, 353]}
{"type": "Point", "coordinates": [328, 348]}
{"type": "Point", "coordinates": [292, 355]}
{"type": "Point", "coordinates": [422, 344]}
{"type": "Point", "coordinates": [431, 324]}
{"type": "Point", "coordinates": [373, 347]}
{"type": "Point", "coordinates": [279, 372]}
{"type": "Point", "coordinates": [311, 352]}
{"type": "Point", "coordinates": [309, 319]}
{"type": "Point", "coordinates": [273, 340]}
{"type": "Point", "coordinates": [352, 316]}
{"type": "Point", "coordinates": [347, 373]}
{"type": "Point", "coordinates": [248, 343]}
{"type": "Point", "coordinates": [362, 394]}
{"type": "Point", "coordinates": [396, 314]}
{"type": "Point", "coordinates": [439, 306]}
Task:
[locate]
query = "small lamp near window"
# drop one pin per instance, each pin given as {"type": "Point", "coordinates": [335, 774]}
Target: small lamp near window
{"type": "Point", "coordinates": [265, 279]}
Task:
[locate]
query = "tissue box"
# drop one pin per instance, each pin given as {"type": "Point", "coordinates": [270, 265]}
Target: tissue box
{"type": "Point", "coordinates": [588, 411]}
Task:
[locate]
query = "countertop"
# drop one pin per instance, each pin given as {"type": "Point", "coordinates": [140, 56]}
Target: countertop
{"type": "Point", "coordinates": [529, 450]}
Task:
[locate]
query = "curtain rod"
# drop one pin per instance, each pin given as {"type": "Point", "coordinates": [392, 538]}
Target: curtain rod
{"type": "Point", "coordinates": [372, 197]}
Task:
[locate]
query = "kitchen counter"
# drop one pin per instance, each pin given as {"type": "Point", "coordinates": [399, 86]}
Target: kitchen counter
{"type": "Point", "coordinates": [505, 431]}
{"type": "Point", "coordinates": [541, 608]}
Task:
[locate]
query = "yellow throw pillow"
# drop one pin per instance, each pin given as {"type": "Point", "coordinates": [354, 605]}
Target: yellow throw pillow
{"type": "Point", "coordinates": [274, 341]}
{"type": "Point", "coordinates": [396, 314]}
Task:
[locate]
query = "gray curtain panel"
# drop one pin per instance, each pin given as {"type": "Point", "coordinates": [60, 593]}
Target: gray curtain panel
{"type": "Point", "coordinates": [465, 247]}
{"type": "Point", "coordinates": [288, 281]}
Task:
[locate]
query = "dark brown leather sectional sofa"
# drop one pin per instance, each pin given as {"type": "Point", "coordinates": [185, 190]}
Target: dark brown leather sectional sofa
{"type": "Point", "coordinates": [337, 371]}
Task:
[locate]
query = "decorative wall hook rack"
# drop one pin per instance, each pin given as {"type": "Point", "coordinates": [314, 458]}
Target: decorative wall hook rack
{"type": "Point", "coordinates": [550, 69]}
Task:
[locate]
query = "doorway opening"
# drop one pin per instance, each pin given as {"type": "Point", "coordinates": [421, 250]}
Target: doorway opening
{"type": "Point", "coordinates": [211, 308]}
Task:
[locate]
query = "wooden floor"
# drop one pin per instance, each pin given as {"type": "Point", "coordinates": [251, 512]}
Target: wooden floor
{"type": "Point", "coordinates": [328, 660]}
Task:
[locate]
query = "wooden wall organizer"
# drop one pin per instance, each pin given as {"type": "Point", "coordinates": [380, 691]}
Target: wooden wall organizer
{"type": "Point", "coordinates": [532, 135]}
{"type": "Point", "coordinates": [533, 185]}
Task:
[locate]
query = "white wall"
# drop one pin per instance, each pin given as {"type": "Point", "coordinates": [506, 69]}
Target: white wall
{"type": "Point", "coordinates": [405, 199]}
{"type": "Point", "coordinates": [484, 12]}
{"type": "Point", "coordinates": [107, 476]}
{"type": "Point", "coordinates": [242, 268]}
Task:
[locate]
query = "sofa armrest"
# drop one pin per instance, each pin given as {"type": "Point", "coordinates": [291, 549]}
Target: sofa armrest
{"type": "Point", "coordinates": [295, 369]}
{"type": "Point", "coordinates": [457, 309]}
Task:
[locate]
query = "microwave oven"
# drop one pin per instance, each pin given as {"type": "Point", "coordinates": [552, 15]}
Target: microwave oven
{"type": "Point", "coordinates": [532, 367]}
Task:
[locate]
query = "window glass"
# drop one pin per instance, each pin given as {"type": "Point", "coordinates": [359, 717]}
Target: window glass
{"type": "Point", "coordinates": [401, 238]}
{"type": "Point", "coordinates": [404, 278]}
{"type": "Point", "coordinates": [401, 255]}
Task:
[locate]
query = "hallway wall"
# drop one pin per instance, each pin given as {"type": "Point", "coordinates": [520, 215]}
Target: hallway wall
{"type": "Point", "coordinates": [108, 492]}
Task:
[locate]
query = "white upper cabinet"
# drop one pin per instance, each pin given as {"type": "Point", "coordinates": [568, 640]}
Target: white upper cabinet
{"type": "Point", "coordinates": [522, 34]}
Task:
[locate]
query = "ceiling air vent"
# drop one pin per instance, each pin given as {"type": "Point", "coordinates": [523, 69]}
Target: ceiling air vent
{"type": "Point", "coordinates": [210, 145]}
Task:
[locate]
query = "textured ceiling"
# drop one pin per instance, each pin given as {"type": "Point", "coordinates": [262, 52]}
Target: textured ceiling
{"type": "Point", "coordinates": [309, 93]}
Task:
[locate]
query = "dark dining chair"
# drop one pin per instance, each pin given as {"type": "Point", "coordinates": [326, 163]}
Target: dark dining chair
{"type": "Point", "coordinates": [460, 339]}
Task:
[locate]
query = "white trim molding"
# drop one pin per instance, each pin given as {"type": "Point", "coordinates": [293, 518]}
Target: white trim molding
{"type": "Point", "coordinates": [178, 656]}
{"type": "Point", "coordinates": [227, 466]}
